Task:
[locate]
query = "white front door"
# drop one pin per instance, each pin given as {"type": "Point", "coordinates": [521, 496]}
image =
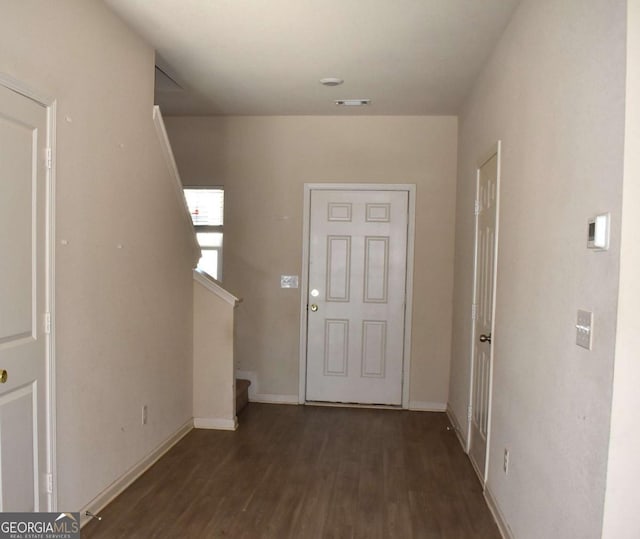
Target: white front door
{"type": "Point", "coordinates": [356, 296]}
{"type": "Point", "coordinates": [23, 344]}
{"type": "Point", "coordinates": [487, 192]}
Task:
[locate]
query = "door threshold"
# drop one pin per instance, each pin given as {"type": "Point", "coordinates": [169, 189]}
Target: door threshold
{"type": "Point", "coordinates": [354, 405]}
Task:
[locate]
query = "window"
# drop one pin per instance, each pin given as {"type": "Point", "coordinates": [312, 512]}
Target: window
{"type": "Point", "coordinates": [207, 213]}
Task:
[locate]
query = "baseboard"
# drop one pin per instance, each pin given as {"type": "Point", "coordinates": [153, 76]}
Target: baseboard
{"type": "Point", "coordinates": [456, 426]}
{"type": "Point", "coordinates": [352, 405]}
{"type": "Point", "coordinates": [421, 406]}
{"type": "Point", "coordinates": [504, 528]}
{"type": "Point", "coordinates": [115, 489]}
{"type": "Point", "coordinates": [217, 423]}
{"type": "Point", "coordinates": [269, 398]}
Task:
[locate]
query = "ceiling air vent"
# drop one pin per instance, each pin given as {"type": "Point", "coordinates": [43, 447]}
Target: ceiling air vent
{"type": "Point", "coordinates": [352, 102]}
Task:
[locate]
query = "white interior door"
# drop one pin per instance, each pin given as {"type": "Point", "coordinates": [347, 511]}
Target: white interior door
{"type": "Point", "coordinates": [487, 191]}
{"type": "Point", "coordinates": [356, 287]}
{"type": "Point", "coordinates": [23, 344]}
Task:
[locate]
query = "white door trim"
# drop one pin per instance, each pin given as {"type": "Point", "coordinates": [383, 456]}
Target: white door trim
{"type": "Point", "coordinates": [304, 281]}
{"type": "Point", "coordinates": [50, 105]}
{"type": "Point", "coordinates": [496, 149]}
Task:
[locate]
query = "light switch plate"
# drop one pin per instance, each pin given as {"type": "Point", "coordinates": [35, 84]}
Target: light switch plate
{"type": "Point", "coordinates": [598, 232]}
{"type": "Point", "coordinates": [584, 329]}
{"type": "Point", "coordinates": [288, 281]}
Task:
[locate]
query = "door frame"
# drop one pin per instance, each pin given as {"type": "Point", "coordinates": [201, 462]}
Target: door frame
{"type": "Point", "coordinates": [304, 281]}
{"type": "Point", "coordinates": [50, 106]}
{"type": "Point", "coordinates": [496, 149]}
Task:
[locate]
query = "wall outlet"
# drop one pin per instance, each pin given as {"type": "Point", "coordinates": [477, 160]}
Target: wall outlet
{"type": "Point", "coordinates": [505, 464]}
{"type": "Point", "coordinates": [145, 415]}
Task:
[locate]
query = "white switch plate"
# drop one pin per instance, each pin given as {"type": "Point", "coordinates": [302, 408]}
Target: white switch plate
{"type": "Point", "coordinates": [598, 232]}
{"type": "Point", "coordinates": [584, 329]}
{"type": "Point", "coordinates": [288, 281]}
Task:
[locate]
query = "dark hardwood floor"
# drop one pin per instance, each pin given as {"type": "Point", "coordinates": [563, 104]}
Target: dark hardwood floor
{"type": "Point", "coordinates": [305, 472]}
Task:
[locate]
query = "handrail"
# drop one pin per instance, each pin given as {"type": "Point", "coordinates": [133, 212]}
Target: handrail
{"type": "Point", "coordinates": [216, 287]}
{"type": "Point", "coordinates": [167, 152]}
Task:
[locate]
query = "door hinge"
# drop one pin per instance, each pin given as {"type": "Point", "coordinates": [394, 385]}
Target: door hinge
{"type": "Point", "coordinates": [474, 312]}
{"type": "Point", "coordinates": [476, 207]}
{"type": "Point", "coordinates": [48, 158]}
{"type": "Point", "coordinates": [48, 481]}
{"type": "Point", "coordinates": [469, 412]}
{"type": "Point", "coordinates": [47, 323]}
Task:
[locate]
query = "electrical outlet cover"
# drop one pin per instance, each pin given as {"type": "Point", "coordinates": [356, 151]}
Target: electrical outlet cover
{"type": "Point", "coordinates": [584, 329]}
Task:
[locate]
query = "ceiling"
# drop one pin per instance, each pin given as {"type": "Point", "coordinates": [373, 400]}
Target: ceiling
{"type": "Point", "coordinates": [265, 57]}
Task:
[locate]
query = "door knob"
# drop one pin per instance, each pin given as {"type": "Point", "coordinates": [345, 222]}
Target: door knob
{"type": "Point", "coordinates": [485, 338]}
{"type": "Point", "coordinates": [314, 308]}
{"type": "Point", "coordinates": [4, 376]}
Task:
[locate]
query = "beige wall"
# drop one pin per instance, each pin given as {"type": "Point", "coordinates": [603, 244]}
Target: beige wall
{"type": "Point", "coordinates": [621, 519]}
{"type": "Point", "coordinates": [123, 315]}
{"type": "Point", "coordinates": [263, 162]}
{"type": "Point", "coordinates": [213, 368]}
{"type": "Point", "coordinates": [553, 92]}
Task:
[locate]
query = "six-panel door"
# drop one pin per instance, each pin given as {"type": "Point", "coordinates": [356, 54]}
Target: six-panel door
{"type": "Point", "coordinates": [485, 277]}
{"type": "Point", "coordinates": [356, 294]}
{"type": "Point", "coordinates": [23, 132]}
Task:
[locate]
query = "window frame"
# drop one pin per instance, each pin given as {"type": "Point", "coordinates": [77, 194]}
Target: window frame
{"type": "Point", "coordinates": [208, 228]}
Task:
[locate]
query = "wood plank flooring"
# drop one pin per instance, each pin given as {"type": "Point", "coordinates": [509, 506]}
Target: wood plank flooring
{"type": "Point", "coordinates": [308, 472]}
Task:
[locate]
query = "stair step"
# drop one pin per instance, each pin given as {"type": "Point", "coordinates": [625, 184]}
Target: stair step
{"type": "Point", "coordinates": [242, 394]}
